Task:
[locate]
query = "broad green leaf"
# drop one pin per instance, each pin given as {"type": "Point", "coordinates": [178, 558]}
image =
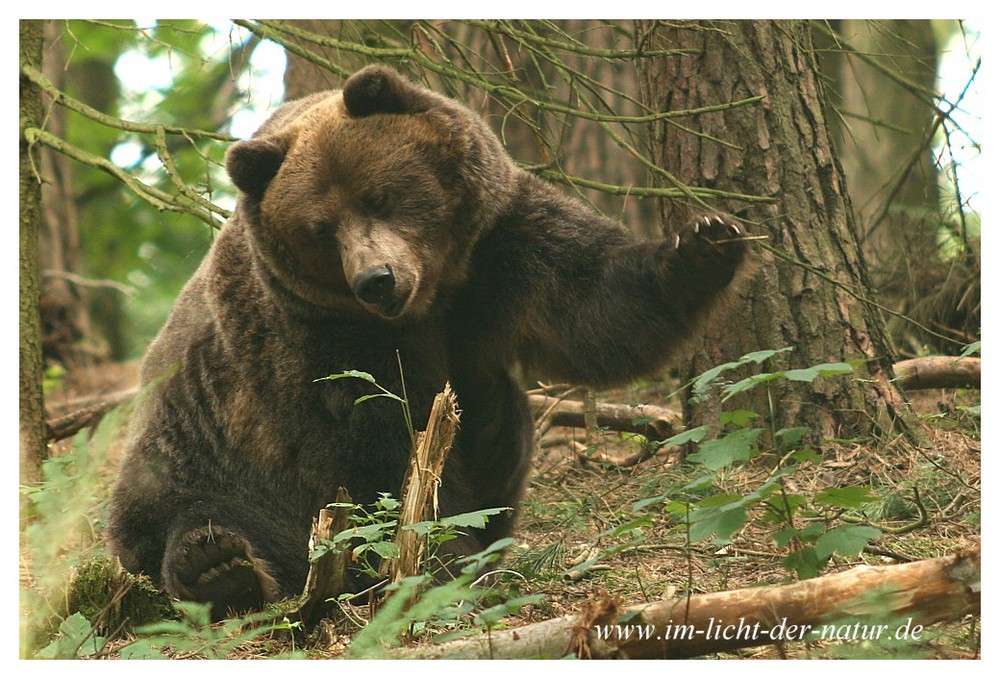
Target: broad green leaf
{"type": "Point", "coordinates": [688, 435]}
{"type": "Point", "coordinates": [821, 370]}
{"type": "Point", "coordinates": [476, 519]}
{"type": "Point", "coordinates": [790, 437]}
{"type": "Point", "coordinates": [386, 550]}
{"type": "Point", "coordinates": [804, 562]}
{"type": "Point", "coordinates": [759, 357]}
{"type": "Point", "coordinates": [494, 614]}
{"type": "Point", "coordinates": [807, 455]}
{"type": "Point", "coordinates": [733, 447]}
{"type": "Point", "coordinates": [708, 377]}
{"type": "Point", "coordinates": [847, 497]}
{"type": "Point", "coordinates": [747, 384]}
{"type": "Point", "coordinates": [141, 649]}
{"type": "Point", "coordinates": [75, 640]}
{"type": "Point", "coordinates": [358, 374]}
{"type": "Point", "coordinates": [722, 522]}
{"type": "Point", "coordinates": [846, 540]}
{"type": "Point", "coordinates": [366, 532]}
{"type": "Point", "coordinates": [738, 418]}
{"type": "Point", "coordinates": [970, 349]}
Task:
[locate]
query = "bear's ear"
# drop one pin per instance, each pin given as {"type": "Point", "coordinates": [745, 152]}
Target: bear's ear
{"type": "Point", "coordinates": [252, 164]}
{"type": "Point", "coordinates": [377, 89]}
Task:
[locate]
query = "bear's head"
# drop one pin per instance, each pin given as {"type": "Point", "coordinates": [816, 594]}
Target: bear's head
{"type": "Point", "coordinates": [371, 199]}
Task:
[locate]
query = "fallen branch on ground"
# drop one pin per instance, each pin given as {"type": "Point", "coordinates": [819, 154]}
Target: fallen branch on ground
{"type": "Point", "coordinates": [938, 372]}
{"type": "Point", "coordinates": [654, 422]}
{"type": "Point", "coordinates": [863, 602]}
{"type": "Point", "coordinates": [87, 413]}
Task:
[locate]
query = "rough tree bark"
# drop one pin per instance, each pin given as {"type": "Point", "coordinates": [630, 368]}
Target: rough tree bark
{"type": "Point", "coordinates": [779, 148]}
{"type": "Point", "coordinates": [32, 407]}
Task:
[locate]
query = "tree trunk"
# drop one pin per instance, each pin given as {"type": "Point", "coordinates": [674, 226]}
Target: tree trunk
{"type": "Point", "coordinates": [881, 134]}
{"type": "Point", "coordinates": [64, 317]}
{"type": "Point", "coordinates": [816, 301]}
{"type": "Point", "coordinates": [32, 407]}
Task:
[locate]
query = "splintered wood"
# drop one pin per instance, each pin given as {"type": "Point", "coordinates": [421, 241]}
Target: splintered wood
{"type": "Point", "coordinates": [420, 485]}
{"type": "Point", "coordinates": [327, 576]}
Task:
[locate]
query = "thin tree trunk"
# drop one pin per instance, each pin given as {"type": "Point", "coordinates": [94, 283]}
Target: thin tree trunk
{"type": "Point", "coordinates": [32, 407]}
{"type": "Point", "coordinates": [64, 316]}
{"type": "Point", "coordinates": [881, 94]}
{"type": "Point", "coordinates": [816, 300]}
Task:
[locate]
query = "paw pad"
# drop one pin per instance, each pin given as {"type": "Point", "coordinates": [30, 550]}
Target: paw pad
{"type": "Point", "coordinates": [217, 565]}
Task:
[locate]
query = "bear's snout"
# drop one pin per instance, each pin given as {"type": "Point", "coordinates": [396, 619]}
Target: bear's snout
{"type": "Point", "coordinates": [385, 290]}
{"type": "Point", "coordinates": [376, 286]}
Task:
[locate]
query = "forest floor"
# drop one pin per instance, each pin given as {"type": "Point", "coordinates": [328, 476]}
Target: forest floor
{"type": "Point", "coordinates": [574, 543]}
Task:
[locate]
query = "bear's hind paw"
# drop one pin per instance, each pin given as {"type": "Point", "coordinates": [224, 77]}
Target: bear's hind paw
{"type": "Point", "coordinates": [217, 565]}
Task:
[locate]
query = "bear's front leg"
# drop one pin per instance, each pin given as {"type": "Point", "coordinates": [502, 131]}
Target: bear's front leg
{"type": "Point", "coordinates": [217, 565]}
{"type": "Point", "coordinates": [705, 254]}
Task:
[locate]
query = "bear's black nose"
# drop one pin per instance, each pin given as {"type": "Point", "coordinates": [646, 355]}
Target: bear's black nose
{"type": "Point", "coordinates": [375, 286]}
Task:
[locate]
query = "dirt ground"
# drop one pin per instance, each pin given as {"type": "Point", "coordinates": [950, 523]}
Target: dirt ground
{"type": "Point", "coordinates": [573, 503]}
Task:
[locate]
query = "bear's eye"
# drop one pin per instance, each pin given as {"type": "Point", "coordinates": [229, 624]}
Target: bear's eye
{"type": "Point", "coordinates": [379, 203]}
{"type": "Point", "coordinates": [322, 230]}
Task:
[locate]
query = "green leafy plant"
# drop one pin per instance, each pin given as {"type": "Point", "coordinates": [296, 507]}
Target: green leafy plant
{"type": "Point", "coordinates": [382, 392]}
{"type": "Point", "coordinates": [75, 639]}
{"type": "Point", "coordinates": [419, 606]}
{"type": "Point", "coordinates": [63, 520]}
{"type": "Point", "coordinates": [194, 635]}
{"type": "Point", "coordinates": [813, 529]}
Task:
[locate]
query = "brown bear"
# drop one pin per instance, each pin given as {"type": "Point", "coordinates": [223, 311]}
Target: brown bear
{"type": "Point", "coordinates": [382, 218]}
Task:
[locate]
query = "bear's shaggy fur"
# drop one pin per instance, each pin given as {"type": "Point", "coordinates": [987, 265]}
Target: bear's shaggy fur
{"type": "Point", "coordinates": [376, 219]}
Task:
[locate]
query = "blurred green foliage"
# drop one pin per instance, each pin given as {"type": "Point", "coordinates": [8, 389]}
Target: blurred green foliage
{"type": "Point", "coordinates": [194, 73]}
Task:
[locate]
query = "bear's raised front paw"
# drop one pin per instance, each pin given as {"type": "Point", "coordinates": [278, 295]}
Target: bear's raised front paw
{"type": "Point", "coordinates": [712, 247]}
{"type": "Point", "coordinates": [217, 565]}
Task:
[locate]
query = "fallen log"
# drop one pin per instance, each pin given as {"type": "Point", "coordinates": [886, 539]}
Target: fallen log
{"type": "Point", "coordinates": [86, 412]}
{"type": "Point", "coordinates": [938, 372]}
{"type": "Point", "coordinates": [654, 422]}
{"type": "Point", "coordinates": [864, 603]}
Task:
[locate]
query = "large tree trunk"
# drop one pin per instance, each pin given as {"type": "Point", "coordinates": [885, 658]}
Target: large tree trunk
{"type": "Point", "coordinates": [32, 408]}
{"type": "Point", "coordinates": [780, 148]}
